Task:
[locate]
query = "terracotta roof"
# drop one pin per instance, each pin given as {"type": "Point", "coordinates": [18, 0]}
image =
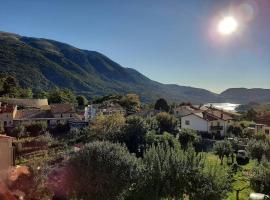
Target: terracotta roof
{"type": "Point", "coordinates": [219, 114]}
{"type": "Point", "coordinates": [32, 114]}
{"type": "Point", "coordinates": [264, 119]}
{"type": "Point", "coordinates": [7, 108]}
{"type": "Point", "coordinates": [62, 108]}
{"type": "Point", "coordinates": [203, 115]}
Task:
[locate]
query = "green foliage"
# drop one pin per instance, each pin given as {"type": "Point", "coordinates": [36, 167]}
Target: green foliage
{"type": "Point", "coordinates": [259, 148]}
{"type": "Point", "coordinates": [131, 102]}
{"type": "Point", "coordinates": [251, 114]}
{"type": "Point", "coordinates": [260, 179]}
{"type": "Point", "coordinates": [9, 87]}
{"type": "Point", "coordinates": [36, 128]}
{"type": "Point", "coordinates": [81, 100]}
{"type": "Point", "coordinates": [101, 171]}
{"type": "Point", "coordinates": [171, 173]}
{"type": "Point", "coordinates": [161, 104]}
{"type": "Point", "coordinates": [223, 148]}
{"type": "Point", "coordinates": [152, 138]}
{"type": "Point", "coordinates": [166, 122]}
{"type": "Point", "coordinates": [188, 136]}
{"type": "Point", "coordinates": [134, 133]}
{"type": "Point", "coordinates": [107, 127]}
{"type": "Point", "coordinates": [61, 96]}
{"type": "Point", "coordinates": [236, 129]}
{"type": "Point", "coordinates": [18, 131]}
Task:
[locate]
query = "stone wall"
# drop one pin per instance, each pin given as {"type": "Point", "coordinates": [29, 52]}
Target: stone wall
{"type": "Point", "coordinates": [36, 103]}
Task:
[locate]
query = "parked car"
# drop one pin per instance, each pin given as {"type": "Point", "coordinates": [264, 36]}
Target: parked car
{"type": "Point", "coordinates": [242, 157]}
{"type": "Point", "coordinates": [258, 196]}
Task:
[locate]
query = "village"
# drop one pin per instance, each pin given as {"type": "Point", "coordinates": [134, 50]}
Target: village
{"type": "Point", "coordinates": [208, 122]}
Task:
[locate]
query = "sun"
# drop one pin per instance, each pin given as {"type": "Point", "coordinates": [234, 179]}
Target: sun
{"type": "Point", "coordinates": [227, 25]}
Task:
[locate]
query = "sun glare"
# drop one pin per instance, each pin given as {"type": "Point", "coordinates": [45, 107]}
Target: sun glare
{"type": "Point", "coordinates": [227, 25]}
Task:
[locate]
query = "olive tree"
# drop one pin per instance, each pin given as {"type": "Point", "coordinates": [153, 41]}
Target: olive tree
{"type": "Point", "coordinates": [101, 171]}
{"type": "Point", "coordinates": [223, 148]}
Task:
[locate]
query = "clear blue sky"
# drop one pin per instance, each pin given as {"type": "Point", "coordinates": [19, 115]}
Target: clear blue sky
{"type": "Point", "coordinates": [170, 41]}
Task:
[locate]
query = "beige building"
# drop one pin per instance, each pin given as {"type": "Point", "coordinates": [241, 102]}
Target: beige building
{"type": "Point", "coordinates": [53, 114]}
{"type": "Point", "coordinates": [57, 114]}
{"type": "Point", "coordinates": [7, 114]}
{"type": "Point", "coordinates": [263, 124]}
{"type": "Point", "coordinates": [6, 153]}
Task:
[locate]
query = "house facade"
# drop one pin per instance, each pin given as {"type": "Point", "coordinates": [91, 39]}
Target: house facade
{"type": "Point", "coordinates": [263, 124]}
{"type": "Point", "coordinates": [54, 114]}
{"type": "Point", "coordinates": [7, 114]}
{"type": "Point", "coordinates": [208, 121]}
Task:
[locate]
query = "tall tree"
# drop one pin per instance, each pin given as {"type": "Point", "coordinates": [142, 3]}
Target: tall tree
{"type": "Point", "coordinates": [166, 122]}
{"type": "Point", "coordinates": [161, 104]}
{"type": "Point", "coordinates": [81, 100]}
{"type": "Point", "coordinates": [107, 127]}
{"type": "Point", "coordinates": [134, 134]}
{"type": "Point", "coordinates": [131, 102]}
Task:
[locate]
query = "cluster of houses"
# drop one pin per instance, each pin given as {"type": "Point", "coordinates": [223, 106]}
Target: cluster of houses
{"type": "Point", "coordinates": [13, 115]}
{"type": "Point", "coordinates": [203, 119]}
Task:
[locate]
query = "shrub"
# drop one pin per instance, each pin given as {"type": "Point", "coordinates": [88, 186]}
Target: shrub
{"type": "Point", "coordinates": [101, 171]}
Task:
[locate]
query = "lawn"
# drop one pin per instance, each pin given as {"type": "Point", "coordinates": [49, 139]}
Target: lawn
{"type": "Point", "coordinates": [240, 178]}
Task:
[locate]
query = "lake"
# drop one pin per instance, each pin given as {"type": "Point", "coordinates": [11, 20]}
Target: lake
{"type": "Point", "coordinates": [224, 106]}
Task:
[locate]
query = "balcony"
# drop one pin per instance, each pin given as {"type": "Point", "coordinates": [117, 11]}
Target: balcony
{"type": "Point", "coordinates": [216, 128]}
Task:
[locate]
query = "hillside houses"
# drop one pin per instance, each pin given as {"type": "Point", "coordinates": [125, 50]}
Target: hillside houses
{"type": "Point", "coordinates": [11, 116]}
{"type": "Point", "coordinates": [204, 119]}
{"type": "Point", "coordinates": [106, 108]}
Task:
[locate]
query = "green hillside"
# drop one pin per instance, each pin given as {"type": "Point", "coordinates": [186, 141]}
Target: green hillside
{"type": "Point", "coordinates": [42, 64]}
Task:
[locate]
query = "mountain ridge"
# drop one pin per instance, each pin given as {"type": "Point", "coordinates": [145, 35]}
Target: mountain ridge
{"type": "Point", "coordinates": [43, 64]}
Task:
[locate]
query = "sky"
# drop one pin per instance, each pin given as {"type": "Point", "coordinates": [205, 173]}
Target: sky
{"type": "Point", "coordinates": [170, 41]}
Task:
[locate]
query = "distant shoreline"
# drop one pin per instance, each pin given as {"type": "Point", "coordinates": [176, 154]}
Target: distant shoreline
{"type": "Point", "coordinates": [224, 106]}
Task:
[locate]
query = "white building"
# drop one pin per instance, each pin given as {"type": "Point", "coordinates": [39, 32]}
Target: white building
{"type": "Point", "coordinates": [94, 110]}
{"type": "Point", "coordinates": [207, 122]}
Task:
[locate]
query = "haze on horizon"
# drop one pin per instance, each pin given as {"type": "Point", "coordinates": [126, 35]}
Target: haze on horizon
{"type": "Point", "coordinates": [168, 41]}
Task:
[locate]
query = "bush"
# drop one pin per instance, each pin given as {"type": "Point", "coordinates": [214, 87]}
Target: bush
{"type": "Point", "coordinates": [258, 148]}
{"type": "Point", "coordinates": [171, 173]}
{"type": "Point", "coordinates": [101, 171]}
{"type": "Point", "coordinates": [260, 179]}
{"type": "Point", "coordinates": [36, 128]}
{"type": "Point", "coordinates": [166, 122]}
{"type": "Point", "coordinates": [188, 136]}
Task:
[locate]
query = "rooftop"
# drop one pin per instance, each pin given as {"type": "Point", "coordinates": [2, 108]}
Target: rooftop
{"type": "Point", "coordinates": [62, 108]}
{"type": "Point", "coordinates": [32, 114]}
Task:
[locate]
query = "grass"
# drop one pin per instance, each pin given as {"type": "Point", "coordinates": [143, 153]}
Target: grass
{"type": "Point", "coordinates": [240, 178]}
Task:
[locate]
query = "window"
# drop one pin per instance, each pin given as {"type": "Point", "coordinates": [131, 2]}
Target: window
{"type": "Point", "coordinates": [187, 122]}
{"type": "Point", "coordinates": [61, 115]}
{"type": "Point", "coordinates": [267, 131]}
{"type": "Point", "coordinates": [70, 115]}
